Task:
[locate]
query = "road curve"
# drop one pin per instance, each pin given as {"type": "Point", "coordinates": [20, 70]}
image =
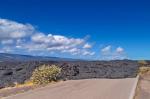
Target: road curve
{"type": "Point", "coordinates": [82, 89]}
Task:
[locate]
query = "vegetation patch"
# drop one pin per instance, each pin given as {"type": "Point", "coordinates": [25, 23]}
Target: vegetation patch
{"type": "Point", "coordinates": [45, 74]}
{"type": "Point", "coordinates": [142, 62]}
{"type": "Point", "coordinates": [144, 70]}
{"type": "Point", "coordinates": [144, 67]}
{"type": "Point", "coordinates": [25, 84]}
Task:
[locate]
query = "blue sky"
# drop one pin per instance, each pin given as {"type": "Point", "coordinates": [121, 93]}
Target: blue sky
{"type": "Point", "coordinates": [101, 29]}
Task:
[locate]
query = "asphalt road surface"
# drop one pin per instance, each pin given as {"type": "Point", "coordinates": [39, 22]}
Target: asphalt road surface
{"type": "Point", "coordinates": [82, 89]}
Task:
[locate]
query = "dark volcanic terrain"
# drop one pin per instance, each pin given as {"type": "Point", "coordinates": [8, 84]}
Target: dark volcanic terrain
{"type": "Point", "coordinates": [19, 71]}
{"type": "Point", "coordinates": [16, 68]}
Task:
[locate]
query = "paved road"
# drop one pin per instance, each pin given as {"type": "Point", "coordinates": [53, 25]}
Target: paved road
{"type": "Point", "coordinates": [82, 89]}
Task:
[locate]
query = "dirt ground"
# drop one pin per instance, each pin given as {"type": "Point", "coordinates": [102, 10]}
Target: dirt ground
{"type": "Point", "coordinates": [12, 91]}
{"type": "Point", "coordinates": [143, 88]}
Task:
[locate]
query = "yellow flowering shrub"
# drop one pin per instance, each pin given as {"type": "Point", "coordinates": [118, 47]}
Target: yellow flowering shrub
{"type": "Point", "coordinates": [45, 74]}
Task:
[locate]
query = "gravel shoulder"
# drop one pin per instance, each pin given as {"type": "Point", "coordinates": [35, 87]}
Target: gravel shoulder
{"type": "Point", "coordinates": [143, 89]}
{"type": "Point", "coordinates": [82, 89]}
{"type": "Point", "coordinates": [14, 90]}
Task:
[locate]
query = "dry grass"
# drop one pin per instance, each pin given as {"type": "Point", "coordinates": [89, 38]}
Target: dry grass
{"type": "Point", "coordinates": [142, 62]}
{"type": "Point", "coordinates": [144, 70]}
{"type": "Point", "coordinates": [27, 83]}
{"type": "Point", "coordinates": [144, 67]}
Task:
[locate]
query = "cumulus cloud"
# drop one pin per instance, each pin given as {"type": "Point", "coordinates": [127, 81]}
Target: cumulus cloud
{"type": "Point", "coordinates": [56, 40]}
{"type": "Point", "coordinates": [77, 51]}
{"type": "Point", "coordinates": [14, 30]}
{"type": "Point", "coordinates": [6, 49]}
{"type": "Point", "coordinates": [5, 42]}
{"type": "Point", "coordinates": [87, 46]}
{"type": "Point", "coordinates": [88, 53]}
{"type": "Point", "coordinates": [73, 51]}
{"type": "Point", "coordinates": [119, 50]}
{"type": "Point", "coordinates": [106, 50]}
{"type": "Point", "coordinates": [109, 54]}
{"type": "Point", "coordinates": [14, 35]}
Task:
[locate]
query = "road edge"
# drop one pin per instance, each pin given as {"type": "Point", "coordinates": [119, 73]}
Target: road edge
{"type": "Point", "coordinates": [133, 91]}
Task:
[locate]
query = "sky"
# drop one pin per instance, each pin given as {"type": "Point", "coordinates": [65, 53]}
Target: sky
{"type": "Point", "coordinates": [86, 29]}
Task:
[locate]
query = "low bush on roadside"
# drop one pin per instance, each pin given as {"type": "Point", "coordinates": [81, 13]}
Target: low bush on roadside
{"type": "Point", "coordinates": [45, 74]}
{"type": "Point", "coordinates": [144, 67]}
{"type": "Point", "coordinates": [142, 62]}
{"type": "Point", "coordinates": [144, 70]}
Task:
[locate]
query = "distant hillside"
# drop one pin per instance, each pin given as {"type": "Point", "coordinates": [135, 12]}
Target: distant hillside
{"type": "Point", "coordinates": [18, 57]}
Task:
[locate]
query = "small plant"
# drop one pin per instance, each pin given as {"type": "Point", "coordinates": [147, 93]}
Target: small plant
{"type": "Point", "coordinates": [144, 70]}
{"type": "Point", "coordinates": [142, 62]}
{"type": "Point", "coordinates": [45, 74]}
{"type": "Point", "coordinates": [144, 67]}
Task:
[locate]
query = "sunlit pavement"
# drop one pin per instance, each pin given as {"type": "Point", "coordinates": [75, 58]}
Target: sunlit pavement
{"type": "Point", "coordinates": [83, 89]}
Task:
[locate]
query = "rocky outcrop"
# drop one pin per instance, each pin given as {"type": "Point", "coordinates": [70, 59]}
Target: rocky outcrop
{"type": "Point", "coordinates": [11, 72]}
{"type": "Point", "coordinates": [102, 69]}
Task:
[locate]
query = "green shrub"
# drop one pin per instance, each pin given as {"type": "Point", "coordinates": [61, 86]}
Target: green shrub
{"type": "Point", "coordinates": [45, 74]}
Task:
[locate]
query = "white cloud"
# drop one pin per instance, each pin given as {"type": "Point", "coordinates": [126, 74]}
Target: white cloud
{"type": "Point", "coordinates": [119, 50]}
{"type": "Point", "coordinates": [55, 43]}
{"type": "Point", "coordinates": [88, 53]}
{"type": "Point", "coordinates": [107, 53]}
{"type": "Point", "coordinates": [106, 50]}
{"type": "Point", "coordinates": [76, 51]}
{"type": "Point", "coordinates": [56, 40]}
{"type": "Point", "coordinates": [87, 46]}
{"type": "Point", "coordinates": [18, 46]}
{"type": "Point", "coordinates": [14, 35]}
{"type": "Point", "coordinates": [6, 42]}
{"type": "Point", "coordinates": [6, 49]}
{"type": "Point", "coordinates": [14, 30]}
